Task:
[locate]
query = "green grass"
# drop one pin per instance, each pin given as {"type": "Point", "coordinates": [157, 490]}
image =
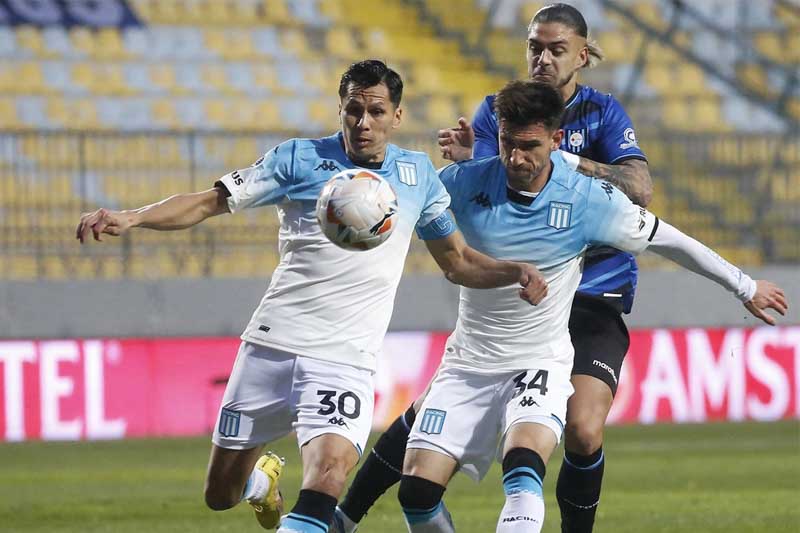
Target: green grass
{"type": "Point", "coordinates": [696, 478]}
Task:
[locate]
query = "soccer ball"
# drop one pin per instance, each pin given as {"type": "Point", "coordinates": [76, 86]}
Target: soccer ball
{"type": "Point", "coordinates": [357, 209]}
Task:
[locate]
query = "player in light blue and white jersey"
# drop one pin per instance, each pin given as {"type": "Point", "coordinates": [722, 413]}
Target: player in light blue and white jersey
{"type": "Point", "coordinates": [307, 358]}
{"type": "Point", "coordinates": [505, 373]}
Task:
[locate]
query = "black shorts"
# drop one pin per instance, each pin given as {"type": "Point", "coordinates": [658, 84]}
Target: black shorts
{"type": "Point", "coordinates": [600, 338]}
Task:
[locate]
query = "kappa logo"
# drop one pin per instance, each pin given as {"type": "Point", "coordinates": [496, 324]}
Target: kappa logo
{"type": "Point", "coordinates": [607, 188]}
{"type": "Point", "coordinates": [327, 165]}
{"type": "Point", "coordinates": [528, 401]}
{"type": "Point", "coordinates": [337, 421]}
{"type": "Point", "coordinates": [482, 199]}
{"type": "Point", "coordinates": [560, 215]}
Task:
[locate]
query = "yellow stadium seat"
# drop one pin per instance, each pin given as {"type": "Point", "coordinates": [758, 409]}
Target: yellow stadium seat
{"type": "Point", "coordinates": [30, 79]}
{"type": "Point", "coordinates": [442, 112]}
{"type": "Point", "coordinates": [30, 39]}
{"type": "Point", "coordinates": [84, 40]}
{"type": "Point", "coordinates": [8, 114]}
{"type": "Point", "coordinates": [341, 42]}
{"type": "Point", "coordinates": [109, 44]}
{"type": "Point", "coordinates": [294, 41]}
{"type": "Point", "coordinates": [163, 75]}
{"type": "Point", "coordinates": [276, 12]}
{"type": "Point", "coordinates": [214, 76]}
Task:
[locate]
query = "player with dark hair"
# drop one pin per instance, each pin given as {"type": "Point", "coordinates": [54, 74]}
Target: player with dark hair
{"type": "Point", "coordinates": [505, 372]}
{"type": "Point", "coordinates": [310, 369]}
{"type": "Point", "coordinates": [598, 141]}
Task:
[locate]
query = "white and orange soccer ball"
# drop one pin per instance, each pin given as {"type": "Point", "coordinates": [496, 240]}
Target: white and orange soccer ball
{"type": "Point", "coordinates": [357, 209]}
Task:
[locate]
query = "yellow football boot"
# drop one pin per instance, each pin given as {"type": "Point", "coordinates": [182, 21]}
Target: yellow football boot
{"type": "Point", "coordinates": [269, 509]}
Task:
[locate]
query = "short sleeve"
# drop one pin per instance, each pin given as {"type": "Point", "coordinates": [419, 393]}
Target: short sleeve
{"type": "Point", "coordinates": [266, 182]}
{"type": "Point", "coordinates": [484, 124]}
{"type": "Point", "coordinates": [612, 219]}
{"type": "Point", "coordinates": [616, 137]}
{"type": "Point", "coordinates": [437, 200]}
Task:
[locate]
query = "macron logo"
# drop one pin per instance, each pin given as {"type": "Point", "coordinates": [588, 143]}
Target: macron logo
{"type": "Point", "coordinates": [606, 368]}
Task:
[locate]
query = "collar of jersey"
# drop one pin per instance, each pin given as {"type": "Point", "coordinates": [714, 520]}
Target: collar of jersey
{"type": "Point", "coordinates": [571, 99]}
{"type": "Point", "coordinates": [518, 198]}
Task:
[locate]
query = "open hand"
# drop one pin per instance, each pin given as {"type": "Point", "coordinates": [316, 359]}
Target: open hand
{"type": "Point", "coordinates": [768, 295]}
{"type": "Point", "coordinates": [456, 143]}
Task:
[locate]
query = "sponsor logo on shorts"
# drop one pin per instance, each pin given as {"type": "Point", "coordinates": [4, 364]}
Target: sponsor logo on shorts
{"type": "Point", "coordinates": [432, 421]}
{"type": "Point", "coordinates": [528, 401]}
{"type": "Point", "coordinates": [336, 421]}
{"type": "Point", "coordinates": [229, 423]}
{"type": "Point", "coordinates": [606, 368]}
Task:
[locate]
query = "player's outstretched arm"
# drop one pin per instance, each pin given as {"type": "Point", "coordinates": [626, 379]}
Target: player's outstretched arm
{"type": "Point", "coordinates": [757, 295]}
{"type": "Point", "coordinates": [176, 212]}
{"type": "Point", "coordinates": [456, 143]}
{"type": "Point", "coordinates": [466, 266]}
{"type": "Point", "coordinates": [632, 176]}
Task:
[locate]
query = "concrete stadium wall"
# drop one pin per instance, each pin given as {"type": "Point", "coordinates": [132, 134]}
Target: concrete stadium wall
{"type": "Point", "coordinates": [175, 308]}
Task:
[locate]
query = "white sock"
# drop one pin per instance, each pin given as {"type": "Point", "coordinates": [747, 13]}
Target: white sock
{"type": "Point", "coordinates": [437, 520]}
{"type": "Point", "coordinates": [523, 512]}
{"type": "Point", "coordinates": [256, 487]}
{"type": "Point", "coordinates": [348, 525]}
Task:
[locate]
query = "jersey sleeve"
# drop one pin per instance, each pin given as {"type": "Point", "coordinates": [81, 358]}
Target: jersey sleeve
{"type": "Point", "coordinates": [617, 138]}
{"type": "Point", "coordinates": [267, 182]}
{"type": "Point", "coordinates": [612, 219]}
{"type": "Point", "coordinates": [437, 200]}
{"type": "Point", "coordinates": [485, 126]}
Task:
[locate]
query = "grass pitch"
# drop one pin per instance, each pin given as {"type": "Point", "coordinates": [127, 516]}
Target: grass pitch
{"type": "Point", "coordinates": [693, 478]}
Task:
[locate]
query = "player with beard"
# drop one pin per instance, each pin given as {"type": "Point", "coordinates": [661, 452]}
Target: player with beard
{"type": "Point", "coordinates": [598, 141]}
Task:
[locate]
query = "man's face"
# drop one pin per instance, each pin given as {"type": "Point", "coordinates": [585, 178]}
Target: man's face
{"type": "Point", "coordinates": [525, 151]}
{"type": "Point", "coordinates": [368, 118]}
{"type": "Point", "coordinates": [555, 53]}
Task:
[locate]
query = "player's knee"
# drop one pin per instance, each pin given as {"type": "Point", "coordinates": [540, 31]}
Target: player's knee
{"type": "Point", "coordinates": [583, 435]}
{"type": "Point", "coordinates": [219, 497]}
{"type": "Point", "coordinates": [419, 493]}
{"type": "Point", "coordinates": [328, 475]}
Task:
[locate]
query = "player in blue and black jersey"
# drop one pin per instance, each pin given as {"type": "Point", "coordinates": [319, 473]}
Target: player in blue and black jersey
{"type": "Point", "coordinates": [599, 141]}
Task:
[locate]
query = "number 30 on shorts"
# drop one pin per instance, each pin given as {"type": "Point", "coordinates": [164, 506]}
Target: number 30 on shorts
{"type": "Point", "coordinates": [349, 409]}
{"type": "Point", "coordinates": [539, 382]}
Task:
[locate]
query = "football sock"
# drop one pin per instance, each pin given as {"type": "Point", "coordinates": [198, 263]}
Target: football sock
{"type": "Point", "coordinates": [423, 507]}
{"type": "Point", "coordinates": [523, 472]}
{"type": "Point", "coordinates": [311, 514]}
{"type": "Point", "coordinates": [343, 522]}
{"type": "Point", "coordinates": [256, 487]}
{"type": "Point", "coordinates": [578, 490]}
{"type": "Point", "coordinates": [382, 468]}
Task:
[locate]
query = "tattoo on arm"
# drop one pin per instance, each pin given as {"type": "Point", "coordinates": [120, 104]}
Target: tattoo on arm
{"type": "Point", "coordinates": [632, 177]}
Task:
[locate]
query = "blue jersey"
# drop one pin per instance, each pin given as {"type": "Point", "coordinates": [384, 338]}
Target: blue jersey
{"type": "Point", "coordinates": [596, 127]}
{"type": "Point", "coordinates": [325, 302]}
{"type": "Point", "coordinates": [551, 231]}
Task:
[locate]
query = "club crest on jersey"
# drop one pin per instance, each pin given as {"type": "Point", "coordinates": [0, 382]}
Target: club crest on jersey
{"type": "Point", "coordinates": [229, 423]}
{"type": "Point", "coordinates": [559, 215]}
{"type": "Point", "coordinates": [575, 140]}
{"type": "Point", "coordinates": [432, 421]}
{"type": "Point", "coordinates": [407, 172]}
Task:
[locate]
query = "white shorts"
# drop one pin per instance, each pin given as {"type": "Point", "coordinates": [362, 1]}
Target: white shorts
{"type": "Point", "coordinates": [467, 415]}
{"type": "Point", "coordinates": [271, 392]}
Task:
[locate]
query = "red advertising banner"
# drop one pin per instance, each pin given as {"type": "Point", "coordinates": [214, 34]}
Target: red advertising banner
{"type": "Point", "coordinates": [108, 389]}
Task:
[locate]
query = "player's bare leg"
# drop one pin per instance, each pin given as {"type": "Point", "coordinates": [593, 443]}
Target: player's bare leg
{"type": "Point", "coordinates": [581, 476]}
{"type": "Point", "coordinates": [526, 450]}
{"type": "Point", "coordinates": [228, 471]}
{"type": "Point", "coordinates": [327, 460]}
{"type": "Point", "coordinates": [382, 468]}
{"type": "Point", "coordinates": [425, 476]}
